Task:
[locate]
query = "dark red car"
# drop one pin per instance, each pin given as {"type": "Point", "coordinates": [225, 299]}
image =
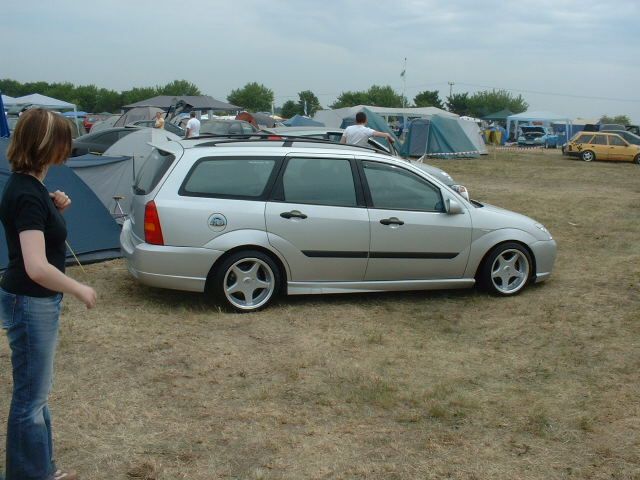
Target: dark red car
{"type": "Point", "coordinates": [92, 118]}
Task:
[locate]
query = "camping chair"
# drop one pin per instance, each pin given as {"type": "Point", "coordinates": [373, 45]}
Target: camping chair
{"type": "Point", "coordinates": [117, 212]}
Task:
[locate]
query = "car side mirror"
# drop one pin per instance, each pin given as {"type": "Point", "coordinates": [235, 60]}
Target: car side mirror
{"type": "Point", "coordinates": [452, 207]}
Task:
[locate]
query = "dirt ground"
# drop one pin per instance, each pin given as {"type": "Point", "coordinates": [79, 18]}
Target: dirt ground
{"type": "Point", "coordinates": [157, 384]}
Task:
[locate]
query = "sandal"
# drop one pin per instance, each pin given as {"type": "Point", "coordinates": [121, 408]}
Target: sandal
{"type": "Point", "coordinates": [65, 475]}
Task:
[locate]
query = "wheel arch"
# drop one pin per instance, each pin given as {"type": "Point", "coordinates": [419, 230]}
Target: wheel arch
{"type": "Point", "coordinates": [532, 273]}
{"type": "Point", "coordinates": [276, 258]}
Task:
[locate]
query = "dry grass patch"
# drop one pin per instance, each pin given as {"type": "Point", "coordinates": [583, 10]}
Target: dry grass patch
{"type": "Point", "coordinates": [420, 385]}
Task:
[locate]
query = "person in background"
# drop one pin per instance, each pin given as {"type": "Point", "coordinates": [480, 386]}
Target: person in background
{"type": "Point", "coordinates": [193, 126]}
{"type": "Point", "coordinates": [31, 289]}
{"type": "Point", "coordinates": [359, 133]}
{"type": "Point", "coordinates": [159, 120]}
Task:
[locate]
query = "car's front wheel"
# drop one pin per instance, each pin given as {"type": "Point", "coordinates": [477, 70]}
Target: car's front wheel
{"type": "Point", "coordinates": [246, 281]}
{"type": "Point", "coordinates": [588, 156]}
{"type": "Point", "coordinates": [506, 270]}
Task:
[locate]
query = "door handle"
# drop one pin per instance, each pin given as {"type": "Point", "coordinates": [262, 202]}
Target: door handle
{"type": "Point", "coordinates": [293, 214]}
{"type": "Point", "coordinates": [391, 221]}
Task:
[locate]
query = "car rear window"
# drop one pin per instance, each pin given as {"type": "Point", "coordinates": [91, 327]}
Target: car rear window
{"type": "Point", "coordinates": [153, 169]}
{"type": "Point", "coordinates": [215, 177]}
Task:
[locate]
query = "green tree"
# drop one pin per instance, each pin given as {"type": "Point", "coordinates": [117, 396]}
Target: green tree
{"type": "Point", "coordinates": [491, 101]}
{"type": "Point", "coordinates": [11, 87]}
{"type": "Point", "coordinates": [458, 103]}
{"type": "Point", "coordinates": [312, 103]}
{"type": "Point", "coordinates": [619, 119]}
{"type": "Point", "coordinates": [428, 98]}
{"type": "Point", "coordinates": [253, 96]}
{"type": "Point", "coordinates": [289, 109]}
{"type": "Point", "coordinates": [179, 88]}
{"type": "Point", "coordinates": [376, 95]}
{"type": "Point", "coordinates": [351, 99]}
{"type": "Point", "coordinates": [385, 97]}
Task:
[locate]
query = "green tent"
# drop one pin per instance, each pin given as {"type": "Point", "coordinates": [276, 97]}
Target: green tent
{"type": "Point", "coordinates": [437, 137]}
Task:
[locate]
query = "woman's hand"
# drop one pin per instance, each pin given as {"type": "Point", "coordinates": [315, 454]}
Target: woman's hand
{"type": "Point", "coordinates": [61, 200]}
{"type": "Point", "coordinates": [86, 295]}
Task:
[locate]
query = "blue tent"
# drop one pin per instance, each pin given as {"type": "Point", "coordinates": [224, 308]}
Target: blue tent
{"type": "Point", "coordinates": [4, 123]}
{"type": "Point", "coordinates": [93, 234]}
{"type": "Point", "coordinates": [300, 121]}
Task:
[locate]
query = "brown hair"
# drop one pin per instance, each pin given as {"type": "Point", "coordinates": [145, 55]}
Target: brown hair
{"type": "Point", "coordinates": [361, 117]}
{"type": "Point", "coordinates": [41, 138]}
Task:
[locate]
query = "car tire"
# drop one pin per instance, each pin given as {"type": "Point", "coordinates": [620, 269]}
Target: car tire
{"type": "Point", "coordinates": [506, 270]}
{"type": "Point", "coordinates": [636, 160]}
{"type": "Point", "coordinates": [246, 281]}
{"type": "Point", "coordinates": [588, 156]}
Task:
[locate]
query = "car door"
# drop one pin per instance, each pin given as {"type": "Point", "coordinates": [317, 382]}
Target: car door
{"type": "Point", "coordinates": [600, 146]}
{"type": "Point", "coordinates": [317, 219]}
{"type": "Point", "coordinates": [619, 149]}
{"type": "Point", "coordinates": [412, 237]}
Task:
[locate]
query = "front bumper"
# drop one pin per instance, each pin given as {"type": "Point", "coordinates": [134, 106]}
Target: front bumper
{"type": "Point", "coordinates": [177, 268]}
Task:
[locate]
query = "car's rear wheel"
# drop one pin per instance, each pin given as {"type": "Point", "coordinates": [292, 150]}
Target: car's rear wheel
{"type": "Point", "coordinates": [507, 269]}
{"type": "Point", "coordinates": [246, 281]}
{"type": "Point", "coordinates": [588, 156]}
{"type": "Point", "coordinates": [636, 160]}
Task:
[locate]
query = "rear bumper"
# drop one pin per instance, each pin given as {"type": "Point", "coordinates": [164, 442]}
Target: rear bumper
{"type": "Point", "coordinates": [177, 268]}
{"type": "Point", "coordinates": [545, 253]}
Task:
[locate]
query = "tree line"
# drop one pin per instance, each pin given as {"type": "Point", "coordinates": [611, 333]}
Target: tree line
{"type": "Point", "coordinates": [90, 98]}
{"type": "Point", "coordinates": [256, 97]}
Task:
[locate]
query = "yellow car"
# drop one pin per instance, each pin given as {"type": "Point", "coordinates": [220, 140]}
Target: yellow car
{"type": "Point", "coordinates": [602, 146]}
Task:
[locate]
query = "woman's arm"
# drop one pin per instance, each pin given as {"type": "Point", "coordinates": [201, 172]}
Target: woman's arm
{"type": "Point", "coordinates": [43, 273]}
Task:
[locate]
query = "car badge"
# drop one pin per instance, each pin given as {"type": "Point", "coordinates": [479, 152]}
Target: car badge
{"type": "Point", "coordinates": [217, 222]}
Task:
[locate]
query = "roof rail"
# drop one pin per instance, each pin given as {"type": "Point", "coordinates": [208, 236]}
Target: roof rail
{"type": "Point", "coordinates": [285, 140]}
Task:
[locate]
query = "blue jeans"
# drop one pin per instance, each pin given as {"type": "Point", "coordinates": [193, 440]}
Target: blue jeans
{"type": "Point", "coordinates": [32, 329]}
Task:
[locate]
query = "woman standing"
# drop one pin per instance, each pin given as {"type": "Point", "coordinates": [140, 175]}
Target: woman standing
{"type": "Point", "coordinates": [31, 289]}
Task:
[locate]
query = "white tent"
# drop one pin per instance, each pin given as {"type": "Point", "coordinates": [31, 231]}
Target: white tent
{"type": "Point", "coordinates": [8, 101]}
{"type": "Point", "coordinates": [534, 118]}
{"type": "Point", "coordinates": [47, 102]}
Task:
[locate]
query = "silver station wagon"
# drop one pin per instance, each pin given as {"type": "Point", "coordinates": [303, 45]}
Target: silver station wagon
{"type": "Point", "coordinates": [244, 220]}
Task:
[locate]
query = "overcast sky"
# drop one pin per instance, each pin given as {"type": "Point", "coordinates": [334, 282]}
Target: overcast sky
{"type": "Point", "coordinates": [576, 58]}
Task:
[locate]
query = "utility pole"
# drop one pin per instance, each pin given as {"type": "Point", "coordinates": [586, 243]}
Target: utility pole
{"type": "Point", "coordinates": [451, 84]}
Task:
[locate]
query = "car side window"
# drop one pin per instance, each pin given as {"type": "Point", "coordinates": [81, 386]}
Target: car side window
{"type": "Point", "coordinates": [106, 139]}
{"type": "Point", "coordinates": [319, 181]}
{"type": "Point", "coordinates": [600, 140]}
{"type": "Point", "coordinates": [616, 141]}
{"type": "Point", "coordinates": [584, 139]}
{"type": "Point", "coordinates": [394, 188]}
{"type": "Point", "coordinates": [215, 177]}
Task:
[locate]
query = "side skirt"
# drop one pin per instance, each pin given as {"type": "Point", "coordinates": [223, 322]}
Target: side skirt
{"type": "Point", "coordinates": [309, 288]}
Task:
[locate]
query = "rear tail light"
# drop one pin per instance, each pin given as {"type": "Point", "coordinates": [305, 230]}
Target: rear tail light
{"type": "Point", "coordinates": [152, 228]}
{"type": "Point", "coordinates": [274, 137]}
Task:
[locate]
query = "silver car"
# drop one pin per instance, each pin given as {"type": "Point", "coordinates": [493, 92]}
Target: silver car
{"type": "Point", "coordinates": [247, 220]}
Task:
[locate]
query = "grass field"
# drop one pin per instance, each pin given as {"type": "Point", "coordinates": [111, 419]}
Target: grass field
{"type": "Point", "coordinates": [160, 385]}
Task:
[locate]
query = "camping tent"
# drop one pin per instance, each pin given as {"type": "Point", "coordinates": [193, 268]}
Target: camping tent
{"type": "Point", "coordinates": [49, 103]}
{"type": "Point", "coordinates": [8, 101]}
{"type": "Point", "coordinates": [199, 102]}
{"type": "Point", "coordinates": [137, 114]}
{"type": "Point", "coordinates": [107, 177]}
{"type": "Point", "coordinates": [137, 145]}
{"type": "Point", "coordinates": [300, 121]}
{"type": "Point", "coordinates": [473, 132]}
{"type": "Point", "coordinates": [334, 118]}
{"type": "Point", "coordinates": [104, 124]}
{"type": "Point", "coordinates": [92, 232]}
{"type": "Point", "coordinates": [533, 118]}
{"type": "Point", "coordinates": [437, 137]}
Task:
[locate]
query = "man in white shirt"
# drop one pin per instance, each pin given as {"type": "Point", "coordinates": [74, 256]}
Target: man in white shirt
{"type": "Point", "coordinates": [193, 126]}
{"type": "Point", "coordinates": [359, 133]}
